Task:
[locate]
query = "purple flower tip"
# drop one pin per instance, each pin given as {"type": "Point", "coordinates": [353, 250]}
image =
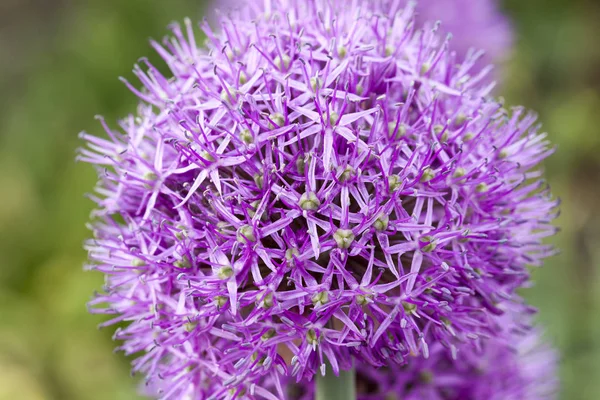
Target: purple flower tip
{"type": "Point", "coordinates": [474, 24]}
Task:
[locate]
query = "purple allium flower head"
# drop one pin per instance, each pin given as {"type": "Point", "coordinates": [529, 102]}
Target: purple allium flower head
{"type": "Point", "coordinates": [323, 183]}
{"type": "Point", "coordinates": [515, 365]}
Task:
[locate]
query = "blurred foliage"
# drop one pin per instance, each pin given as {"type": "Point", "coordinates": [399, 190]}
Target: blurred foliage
{"type": "Point", "coordinates": [59, 61]}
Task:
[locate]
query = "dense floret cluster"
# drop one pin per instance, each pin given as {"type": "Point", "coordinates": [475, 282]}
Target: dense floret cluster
{"type": "Point", "coordinates": [514, 365]}
{"type": "Point", "coordinates": [323, 183]}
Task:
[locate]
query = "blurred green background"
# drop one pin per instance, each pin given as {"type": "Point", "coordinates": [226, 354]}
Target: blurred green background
{"type": "Point", "coordinates": [59, 63]}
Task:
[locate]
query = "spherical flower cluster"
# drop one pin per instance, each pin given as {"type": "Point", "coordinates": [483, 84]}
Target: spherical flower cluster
{"type": "Point", "coordinates": [323, 183]}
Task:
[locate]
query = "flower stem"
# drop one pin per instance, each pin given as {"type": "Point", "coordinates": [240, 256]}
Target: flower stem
{"type": "Point", "coordinates": [331, 387]}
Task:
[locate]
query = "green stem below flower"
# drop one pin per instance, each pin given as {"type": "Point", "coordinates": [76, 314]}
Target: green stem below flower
{"type": "Point", "coordinates": [331, 387]}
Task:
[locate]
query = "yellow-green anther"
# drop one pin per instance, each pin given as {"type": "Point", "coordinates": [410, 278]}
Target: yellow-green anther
{"type": "Point", "coordinates": [391, 128]}
{"type": "Point", "coordinates": [220, 301]}
{"type": "Point", "coordinates": [343, 238]}
{"type": "Point", "coordinates": [437, 129]}
{"type": "Point", "coordinates": [347, 174]}
{"type": "Point", "coordinates": [230, 54]}
{"type": "Point", "coordinates": [156, 307]}
{"type": "Point", "coordinates": [268, 334]}
{"type": "Point", "coordinates": [425, 68]}
{"type": "Point", "coordinates": [225, 272]}
{"type": "Point", "coordinates": [394, 182]}
{"type": "Point", "coordinates": [409, 307]}
{"type": "Point", "coordinates": [240, 392]}
{"type": "Point", "coordinates": [150, 176]}
{"type": "Point", "coordinates": [460, 119]}
{"type": "Point", "coordinates": [428, 175]}
{"type": "Point", "coordinates": [445, 321]}
{"type": "Point", "coordinates": [468, 136]}
{"type": "Point", "coordinates": [285, 64]}
{"type": "Point", "coordinates": [267, 302]}
{"type": "Point", "coordinates": [333, 118]}
{"type": "Point", "coordinates": [246, 136]}
{"type": "Point", "coordinates": [312, 337]}
{"type": "Point", "coordinates": [360, 90]}
{"type": "Point", "coordinates": [181, 234]}
{"type": "Point", "coordinates": [243, 78]}
{"type": "Point", "coordinates": [431, 244]}
{"type": "Point", "coordinates": [190, 368]}
{"type": "Point", "coordinates": [137, 262]}
{"type": "Point", "coordinates": [362, 299]}
{"type": "Point", "coordinates": [320, 298]}
{"type": "Point", "coordinates": [459, 172]}
{"type": "Point", "coordinates": [253, 208]}
{"type": "Point", "coordinates": [207, 156]}
{"type": "Point", "coordinates": [291, 253]}
{"type": "Point", "coordinates": [381, 223]}
{"type": "Point", "coordinates": [227, 95]}
{"type": "Point", "coordinates": [482, 187]}
{"type": "Point", "coordinates": [309, 201]}
{"type": "Point", "coordinates": [222, 226]}
{"type": "Point", "coordinates": [190, 326]}
{"type": "Point", "coordinates": [315, 83]}
{"type": "Point", "coordinates": [400, 132]}
{"type": "Point", "coordinates": [503, 154]}
{"type": "Point", "coordinates": [342, 51]}
{"type": "Point", "coordinates": [389, 50]}
{"type": "Point", "coordinates": [245, 234]}
{"type": "Point", "coordinates": [259, 180]}
{"type": "Point", "coordinates": [184, 262]}
{"type": "Point", "coordinates": [278, 119]}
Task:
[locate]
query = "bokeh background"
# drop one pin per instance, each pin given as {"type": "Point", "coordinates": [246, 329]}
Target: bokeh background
{"type": "Point", "coordinates": [59, 63]}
